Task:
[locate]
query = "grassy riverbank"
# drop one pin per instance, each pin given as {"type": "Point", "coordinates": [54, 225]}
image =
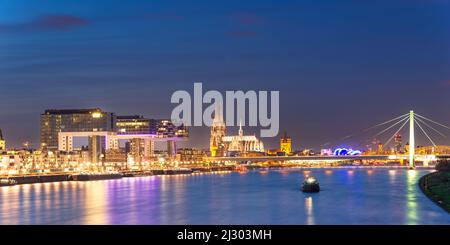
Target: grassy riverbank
{"type": "Point", "coordinates": [437, 187]}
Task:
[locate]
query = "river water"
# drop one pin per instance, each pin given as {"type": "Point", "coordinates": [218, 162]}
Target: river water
{"type": "Point", "coordinates": [348, 196]}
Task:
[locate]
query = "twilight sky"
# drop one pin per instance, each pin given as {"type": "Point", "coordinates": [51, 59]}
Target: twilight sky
{"type": "Point", "coordinates": [340, 66]}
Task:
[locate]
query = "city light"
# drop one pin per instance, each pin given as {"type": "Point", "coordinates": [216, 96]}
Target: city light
{"type": "Point", "coordinates": [224, 113]}
{"type": "Point", "coordinates": [346, 152]}
{"type": "Point", "coordinates": [96, 115]}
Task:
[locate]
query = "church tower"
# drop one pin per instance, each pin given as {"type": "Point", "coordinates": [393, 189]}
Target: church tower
{"type": "Point", "coordinates": [286, 144]}
{"type": "Point", "coordinates": [218, 131]}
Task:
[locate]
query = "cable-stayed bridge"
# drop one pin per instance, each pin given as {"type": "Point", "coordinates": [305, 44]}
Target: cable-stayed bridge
{"type": "Point", "coordinates": [397, 123]}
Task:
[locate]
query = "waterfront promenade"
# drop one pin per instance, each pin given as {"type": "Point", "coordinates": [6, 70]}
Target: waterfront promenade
{"type": "Point", "coordinates": [86, 176]}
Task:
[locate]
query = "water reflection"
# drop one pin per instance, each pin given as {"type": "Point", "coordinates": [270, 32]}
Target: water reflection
{"type": "Point", "coordinates": [392, 177]}
{"type": "Point", "coordinates": [411, 197]}
{"type": "Point", "coordinates": [309, 210]}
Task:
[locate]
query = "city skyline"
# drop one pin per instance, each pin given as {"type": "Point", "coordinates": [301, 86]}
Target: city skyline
{"type": "Point", "coordinates": [364, 139]}
{"type": "Point", "coordinates": [232, 113]}
{"type": "Point", "coordinates": [334, 74]}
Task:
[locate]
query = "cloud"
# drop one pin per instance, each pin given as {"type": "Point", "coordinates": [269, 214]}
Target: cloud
{"type": "Point", "coordinates": [47, 23]}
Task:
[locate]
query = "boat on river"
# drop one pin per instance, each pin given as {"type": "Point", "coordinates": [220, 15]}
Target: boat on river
{"type": "Point", "coordinates": [310, 185]}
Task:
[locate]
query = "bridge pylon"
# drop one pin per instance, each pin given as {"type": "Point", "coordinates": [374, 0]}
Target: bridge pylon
{"type": "Point", "coordinates": [412, 146]}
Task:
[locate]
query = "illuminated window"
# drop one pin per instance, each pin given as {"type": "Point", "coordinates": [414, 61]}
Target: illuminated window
{"type": "Point", "coordinates": [96, 115]}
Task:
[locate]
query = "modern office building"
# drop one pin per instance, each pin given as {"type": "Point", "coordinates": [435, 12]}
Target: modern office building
{"type": "Point", "coordinates": [139, 148]}
{"type": "Point", "coordinates": [142, 133]}
{"type": "Point", "coordinates": [398, 143]}
{"type": "Point", "coordinates": [79, 120]}
{"type": "Point", "coordinates": [104, 130]}
{"type": "Point", "coordinates": [136, 125]}
{"type": "Point", "coordinates": [167, 129]}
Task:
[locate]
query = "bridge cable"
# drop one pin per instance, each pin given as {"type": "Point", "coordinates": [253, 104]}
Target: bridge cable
{"type": "Point", "coordinates": [362, 142]}
{"type": "Point", "coordinates": [429, 126]}
{"type": "Point", "coordinates": [425, 133]}
{"type": "Point", "coordinates": [383, 123]}
{"type": "Point", "coordinates": [396, 132]}
{"type": "Point", "coordinates": [402, 117]}
{"type": "Point", "coordinates": [383, 131]}
{"type": "Point", "coordinates": [440, 124]}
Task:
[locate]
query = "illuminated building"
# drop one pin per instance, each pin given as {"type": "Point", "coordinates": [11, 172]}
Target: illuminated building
{"type": "Point", "coordinates": [346, 152]}
{"type": "Point", "coordinates": [218, 131]}
{"type": "Point", "coordinates": [398, 143]}
{"type": "Point", "coordinates": [190, 155]}
{"type": "Point", "coordinates": [433, 150]}
{"type": "Point", "coordinates": [326, 152]}
{"type": "Point", "coordinates": [380, 149]}
{"type": "Point", "coordinates": [59, 127]}
{"type": "Point", "coordinates": [2, 142]}
{"type": "Point", "coordinates": [136, 125]}
{"type": "Point", "coordinates": [286, 144]}
{"type": "Point", "coordinates": [167, 129]}
{"type": "Point", "coordinates": [220, 144]}
{"type": "Point", "coordinates": [272, 152]}
{"type": "Point", "coordinates": [80, 120]}
{"type": "Point", "coordinates": [136, 128]}
{"type": "Point", "coordinates": [104, 130]}
{"type": "Point", "coordinates": [142, 133]}
{"type": "Point", "coordinates": [115, 156]}
{"type": "Point", "coordinates": [242, 143]}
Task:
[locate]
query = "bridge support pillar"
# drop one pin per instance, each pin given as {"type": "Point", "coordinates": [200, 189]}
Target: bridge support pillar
{"type": "Point", "coordinates": [411, 140]}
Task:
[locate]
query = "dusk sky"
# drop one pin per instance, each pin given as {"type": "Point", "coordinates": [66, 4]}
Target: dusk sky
{"type": "Point", "coordinates": [340, 66]}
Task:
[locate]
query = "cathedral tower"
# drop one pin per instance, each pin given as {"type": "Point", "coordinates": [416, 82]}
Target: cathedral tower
{"type": "Point", "coordinates": [218, 131]}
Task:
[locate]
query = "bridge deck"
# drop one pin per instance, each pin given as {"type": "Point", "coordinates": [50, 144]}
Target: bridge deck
{"type": "Point", "coordinates": [295, 158]}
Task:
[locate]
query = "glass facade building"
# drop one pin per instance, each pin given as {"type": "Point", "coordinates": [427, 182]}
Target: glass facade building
{"type": "Point", "coordinates": [79, 120]}
{"type": "Point", "coordinates": [129, 125]}
{"type": "Point", "coordinates": [166, 129]}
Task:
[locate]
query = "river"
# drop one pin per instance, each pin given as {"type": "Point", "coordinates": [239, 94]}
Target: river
{"type": "Point", "coordinates": [348, 196]}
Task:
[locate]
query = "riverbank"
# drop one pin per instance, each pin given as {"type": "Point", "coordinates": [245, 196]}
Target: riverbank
{"type": "Point", "coordinates": [205, 198]}
{"type": "Point", "coordinates": [436, 186]}
{"type": "Point", "coordinates": [60, 177]}
{"type": "Point", "coordinates": [75, 176]}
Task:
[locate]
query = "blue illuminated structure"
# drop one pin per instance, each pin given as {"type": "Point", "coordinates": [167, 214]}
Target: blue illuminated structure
{"type": "Point", "coordinates": [346, 152]}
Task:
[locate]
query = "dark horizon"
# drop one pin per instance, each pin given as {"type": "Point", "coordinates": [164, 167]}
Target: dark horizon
{"type": "Point", "coordinates": [340, 66]}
